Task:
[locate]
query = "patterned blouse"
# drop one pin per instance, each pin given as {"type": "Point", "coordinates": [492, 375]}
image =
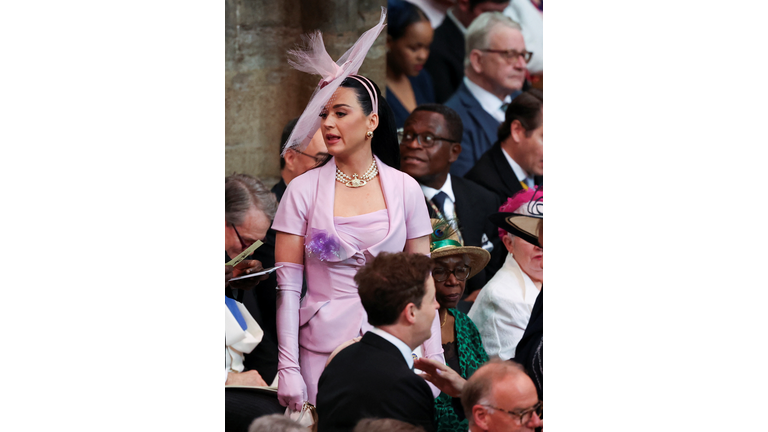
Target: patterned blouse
{"type": "Point", "coordinates": [471, 356]}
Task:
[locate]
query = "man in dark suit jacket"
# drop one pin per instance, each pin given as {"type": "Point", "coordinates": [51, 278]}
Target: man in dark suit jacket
{"type": "Point", "coordinates": [374, 377]}
{"type": "Point", "coordinates": [495, 73]}
{"type": "Point", "coordinates": [446, 54]}
{"type": "Point", "coordinates": [516, 160]}
{"type": "Point", "coordinates": [450, 196]}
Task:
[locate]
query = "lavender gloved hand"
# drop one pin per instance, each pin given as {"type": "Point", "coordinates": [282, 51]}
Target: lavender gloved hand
{"type": "Point", "coordinates": [291, 389]}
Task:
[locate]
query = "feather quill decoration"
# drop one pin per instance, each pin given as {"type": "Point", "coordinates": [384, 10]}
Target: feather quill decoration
{"type": "Point", "coordinates": [442, 229]}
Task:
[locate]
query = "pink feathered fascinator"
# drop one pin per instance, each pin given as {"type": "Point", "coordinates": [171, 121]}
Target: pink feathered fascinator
{"type": "Point", "coordinates": [313, 59]}
{"type": "Point", "coordinates": [520, 215]}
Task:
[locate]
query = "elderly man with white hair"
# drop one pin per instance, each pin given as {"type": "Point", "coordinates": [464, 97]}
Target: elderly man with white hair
{"type": "Point", "coordinates": [495, 65]}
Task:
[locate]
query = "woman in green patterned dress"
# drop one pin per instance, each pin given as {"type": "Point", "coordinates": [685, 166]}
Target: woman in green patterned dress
{"type": "Point", "coordinates": [464, 352]}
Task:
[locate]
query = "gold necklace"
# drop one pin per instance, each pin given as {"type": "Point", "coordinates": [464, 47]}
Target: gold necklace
{"type": "Point", "coordinates": [444, 319]}
{"type": "Point", "coordinates": [357, 181]}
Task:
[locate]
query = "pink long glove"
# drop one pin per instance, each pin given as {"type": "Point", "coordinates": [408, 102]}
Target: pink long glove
{"type": "Point", "coordinates": [433, 349]}
{"type": "Point", "coordinates": [291, 389]}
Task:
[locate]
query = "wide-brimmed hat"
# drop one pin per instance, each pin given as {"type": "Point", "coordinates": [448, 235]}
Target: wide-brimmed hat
{"type": "Point", "coordinates": [445, 241]}
{"type": "Point", "coordinates": [524, 226]}
{"type": "Point", "coordinates": [527, 213]}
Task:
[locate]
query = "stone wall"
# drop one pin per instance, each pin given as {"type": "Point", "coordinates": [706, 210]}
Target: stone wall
{"type": "Point", "coordinates": [262, 92]}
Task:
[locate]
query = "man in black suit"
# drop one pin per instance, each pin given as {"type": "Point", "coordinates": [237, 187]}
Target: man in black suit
{"type": "Point", "coordinates": [374, 378]}
{"type": "Point", "coordinates": [446, 56]}
{"type": "Point", "coordinates": [430, 143]}
{"type": "Point", "coordinates": [516, 160]}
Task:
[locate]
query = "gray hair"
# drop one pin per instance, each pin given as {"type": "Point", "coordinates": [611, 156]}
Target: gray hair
{"type": "Point", "coordinates": [243, 191]}
{"type": "Point", "coordinates": [385, 425]}
{"type": "Point", "coordinates": [481, 28]}
{"type": "Point", "coordinates": [479, 387]}
{"type": "Point", "coordinates": [275, 423]}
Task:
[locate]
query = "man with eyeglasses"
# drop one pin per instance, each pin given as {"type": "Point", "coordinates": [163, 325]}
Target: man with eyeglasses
{"type": "Point", "coordinates": [495, 69]}
{"type": "Point", "coordinates": [446, 54]}
{"type": "Point", "coordinates": [249, 209]}
{"type": "Point", "coordinates": [429, 144]}
{"type": "Point", "coordinates": [295, 163]}
{"type": "Point", "coordinates": [498, 397]}
{"type": "Point", "coordinates": [261, 302]}
{"type": "Point", "coordinates": [501, 397]}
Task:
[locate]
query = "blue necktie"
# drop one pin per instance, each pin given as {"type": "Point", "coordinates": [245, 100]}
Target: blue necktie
{"type": "Point", "coordinates": [439, 200]}
{"type": "Point", "coordinates": [232, 305]}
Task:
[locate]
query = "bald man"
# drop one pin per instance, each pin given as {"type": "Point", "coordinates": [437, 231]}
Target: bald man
{"type": "Point", "coordinates": [497, 397]}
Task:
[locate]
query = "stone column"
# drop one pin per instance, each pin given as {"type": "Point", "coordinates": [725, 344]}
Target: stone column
{"type": "Point", "coordinates": [262, 92]}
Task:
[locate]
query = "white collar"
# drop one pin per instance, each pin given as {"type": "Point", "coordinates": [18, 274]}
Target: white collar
{"type": "Point", "coordinates": [529, 287]}
{"type": "Point", "coordinates": [490, 103]}
{"type": "Point", "coordinates": [435, 12]}
{"type": "Point", "coordinates": [516, 168]}
{"type": "Point", "coordinates": [405, 350]}
{"type": "Point", "coordinates": [456, 21]}
{"type": "Point", "coordinates": [430, 193]}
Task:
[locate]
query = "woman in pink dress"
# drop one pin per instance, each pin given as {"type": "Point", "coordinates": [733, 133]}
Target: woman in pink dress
{"type": "Point", "coordinates": [334, 218]}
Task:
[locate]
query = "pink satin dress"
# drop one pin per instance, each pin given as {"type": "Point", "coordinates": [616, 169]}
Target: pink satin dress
{"type": "Point", "coordinates": [336, 248]}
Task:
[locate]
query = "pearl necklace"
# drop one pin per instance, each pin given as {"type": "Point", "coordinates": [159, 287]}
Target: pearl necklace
{"type": "Point", "coordinates": [357, 181]}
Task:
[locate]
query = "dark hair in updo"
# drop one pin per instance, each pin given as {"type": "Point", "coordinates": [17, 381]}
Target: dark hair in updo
{"type": "Point", "coordinates": [401, 15]}
{"type": "Point", "coordinates": [384, 142]}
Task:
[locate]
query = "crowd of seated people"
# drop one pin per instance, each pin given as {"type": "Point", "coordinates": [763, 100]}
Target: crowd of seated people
{"type": "Point", "coordinates": [406, 231]}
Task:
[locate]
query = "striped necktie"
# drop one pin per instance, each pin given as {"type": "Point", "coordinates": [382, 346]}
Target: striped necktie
{"type": "Point", "coordinates": [439, 200]}
{"type": "Point", "coordinates": [529, 181]}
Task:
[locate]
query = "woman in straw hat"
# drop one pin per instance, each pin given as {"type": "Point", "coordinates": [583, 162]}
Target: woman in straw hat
{"type": "Point", "coordinates": [334, 218]}
{"type": "Point", "coordinates": [503, 307]}
{"type": "Point", "coordinates": [463, 347]}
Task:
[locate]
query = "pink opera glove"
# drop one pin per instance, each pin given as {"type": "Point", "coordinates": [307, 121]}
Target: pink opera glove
{"type": "Point", "coordinates": [291, 389]}
{"type": "Point", "coordinates": [433, 349]}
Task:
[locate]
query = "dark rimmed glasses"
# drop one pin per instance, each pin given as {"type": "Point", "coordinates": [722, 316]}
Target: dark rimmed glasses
{"type": "Point", "coordinates": [525, 415]}
{"type": "Point", "coordinates": [440, 274]}
{"type": "Point", "coordinates": [511, 54]}
{"type": "Point", "coordinates": [242, 243]}
{"type": "Point", "coordinates": [425, 139]}
{"type": "Point", "coordinates": [319, 158]}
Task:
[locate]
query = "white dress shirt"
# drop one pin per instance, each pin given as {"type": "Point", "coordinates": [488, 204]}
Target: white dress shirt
{"type": "Point", "coordinates": [448, 206]}
{"type": "Point", "coordinates": [490, 103]}
{"type": "Point", "coordinates": [434, 11]}
{"type": "Point", "coordinates": [456, 21]}
{"type": "Point", "coordinates": [405, 350]}
{"type": "Point", "coordinates": [516, 168]}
